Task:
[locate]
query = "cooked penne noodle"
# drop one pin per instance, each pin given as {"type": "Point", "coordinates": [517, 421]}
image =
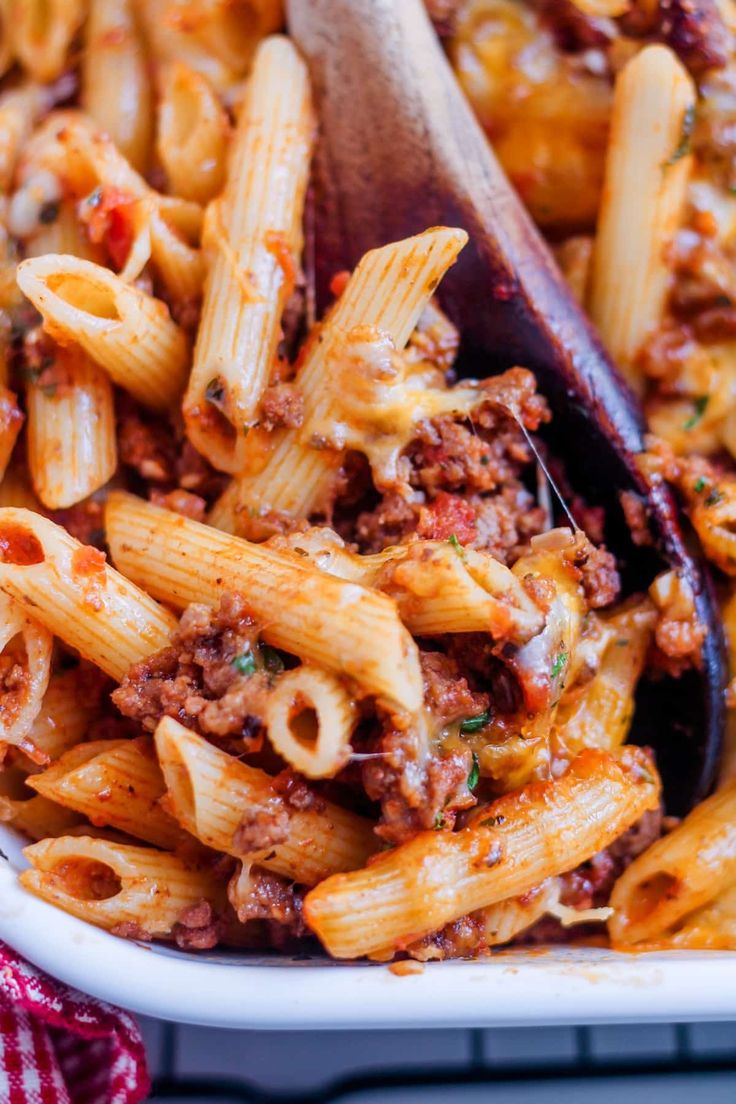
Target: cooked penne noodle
{"type": "Point", "coordinates": [63, 235]}
{"type": "Point", "coordinates": [343, 626]}
{"type": "Point", "coordinates": [509, 847]}
{"type": "Point", "coordinates": [679, 873]}
{"type": "Point", "coordinates": [128, 333]}
{"type": "Point", "coordinates": [193, 134]}
{"type": "Point", "coordinates": [42, 32]}
{"type": "Point", "coordinates": [115, 783]}
{"type": "Point", "coordinates": [310, 718]}
{"type": "Point", "coordinates": [71, 430]}
{"type": "Point", "coordinates": [112, 884]}
{"type": "Point", "coordinates": [164, 229]}
{"type": "Point", "coordinates": [712, 927]}
{"type": "Point", "coordinates": [171, 35]}
{"type": "Point", "coordinates": [27, 812]}
{"type": "Point", "coordinates": [599, 714]}
{"type": "Point", "coordinates": [75, 595]}
{"type": "Point", "coordinates": [647, 170]}
{"type": "Point", "coordinates": [11, 423]}
{"type": "Point", "coordinates": [68, 708]}
{"type": "Point", "coordinates": [215, 797]}
{"type": "Point", "coordinates": [116, 92]}
{"type": "Point", "coordinates": [25, 665]}
{"type": "Point", "coordinates": [6, 36]}
{"type": "Point", "coordinates": [254, 235]}
{"type": "Point", "coordinates": [438, 588]}
{"type": "Point", "coordinates": [19, 109]}
{"type": "Point", "coordinates": [383, 298]}
{"type": "Point", "coordinates": [231, 31]}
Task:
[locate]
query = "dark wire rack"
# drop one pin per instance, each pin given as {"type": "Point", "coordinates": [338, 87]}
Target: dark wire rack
{"type": "Point", "coordinates": [584, 1067]}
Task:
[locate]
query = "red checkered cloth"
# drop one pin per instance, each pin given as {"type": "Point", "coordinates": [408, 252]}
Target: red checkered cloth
{"type": "Point", "coordinates": [59, 1047]}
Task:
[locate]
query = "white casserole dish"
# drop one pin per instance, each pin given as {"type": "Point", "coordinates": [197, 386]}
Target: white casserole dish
{"type": "Point", "coordinates": [556, 986]}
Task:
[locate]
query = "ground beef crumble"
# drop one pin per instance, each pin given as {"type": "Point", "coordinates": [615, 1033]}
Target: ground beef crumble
{"type": "Point", "coordinates": [194, 679]}
{"type": "Point", "coordinates": [419, 788]}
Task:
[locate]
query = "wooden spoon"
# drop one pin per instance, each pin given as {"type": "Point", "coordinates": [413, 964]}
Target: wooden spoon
{"type": "Point", "coordinates": [401, 150]}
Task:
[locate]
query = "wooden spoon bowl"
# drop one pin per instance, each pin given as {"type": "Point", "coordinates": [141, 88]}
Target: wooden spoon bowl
{"type": "Point", "coordinates": [400, 150]}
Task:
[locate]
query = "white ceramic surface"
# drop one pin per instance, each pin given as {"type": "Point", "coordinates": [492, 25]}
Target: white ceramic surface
{"type": "Point", "coordinates": [513, 988]}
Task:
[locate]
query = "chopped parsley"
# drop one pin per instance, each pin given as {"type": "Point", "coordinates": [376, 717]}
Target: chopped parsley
{"type": "Point", "coordinates": [700, 484]}
{"type": "Point", "coordinates": [485, 460]}
{"type": "Point", "coordinates": [264, 658]}
{"type": "Point", "coordinates": [473, 724]}
{"type": "Point", "coordinates": [439, 822]}
{"type": "Point", "coordinates": [452, 539]}
{"type": "Point", "coordinates": [245, 664]}
{"type": "Point", "coordinates": [622, 643]}
{"type": "Point", "coordinates": [683, 146]}
{"type": "Point", "coordinates": [714, 497]}
{"type": "Point", "coordinates": [700, 404]}
{"type": "Point", "coordinates": [474, 773]}
{"type": "Point", "coordinates": [558, 664]}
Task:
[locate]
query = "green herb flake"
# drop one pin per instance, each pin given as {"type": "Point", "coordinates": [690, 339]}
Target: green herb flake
{"type": "Point", "coordinates": [474, 724]}
{"type": "Point", "coordinates": [452, 539]}
{"type": "Point", "coordinates": [714, 497]}
{"type": "Point", "coordinates": [700, 484]}
{"type": "Point", "coordinates": [474, 773]}
{"type": "Point", "coordinates": [439, 822]}
{"type": "Point", "coordinates": [686, 133]}
{"type": "Point", "coordinates": [622, 643]}
{"type": "Point", "coordinates": [700, 405]}
{"type": "Point", "coordinates": [558, 664]}
{"type": "Point", "coordinates": [272, 661]}
{"type": "Point", "coordinates": [485, 460]}
{"type": "Point", "coordinates": [245, 664]}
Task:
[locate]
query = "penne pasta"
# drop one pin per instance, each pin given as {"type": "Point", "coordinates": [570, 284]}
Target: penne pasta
{"type": "Point", "coordinates": [162, 229]}
{"type": "Point", "coordinates": [112, 884]}
{"type": "Point", "coordinates": [310, 718]}
{"type": "Point", "coordinates": [116, 92]}
{"type": "Point", "coordinates": [128, 333]}
{"type": "Point", "coordinates": [509, 847]}
{"type": "Point", "coordinates": [69, 707]}
{"type": "Point", "coordinates": [193, 134]}
{"type": "Point", "coordinates": [114, 783]}
{"type": "Point", "coordinates": [600, 712]}
{"type": "Point", "coordinates": [218, 799]}
{"type": "Point", "coordinates": [35, 816]}
{"type": "Point", "coordinates": [75, 595]}
{"type": "Point", "coordinates": [254, 237]}
{"type": "Point", "coordinates": [42, 32]}
{"type": "Point", "coordinates": [382, 301]}
{"type": "Point", "coordinates": [647, 169]}
{"type": "Point", "coordinates": [437, 588]}
{"type": "Point", "coordinates": [71, 429]}
{"type": "Point", "coordinates": [679, 873]}
{"type": "Point", "coordinates": [25, 665]}
{"type": "Point", "coordinates": [347, 628]}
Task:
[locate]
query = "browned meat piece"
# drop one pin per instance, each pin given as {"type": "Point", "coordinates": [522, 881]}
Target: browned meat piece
{"type": "Point", "coordinates": [282, 405]}
{"type": "Point", "coordinates": [573, 29]}
{"type": "Point", "coordinates": [203, 679]}
{"type": "Point", "coordinates": [419, 788]}
{"type": "Point", "coordinates": [695, 30]}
